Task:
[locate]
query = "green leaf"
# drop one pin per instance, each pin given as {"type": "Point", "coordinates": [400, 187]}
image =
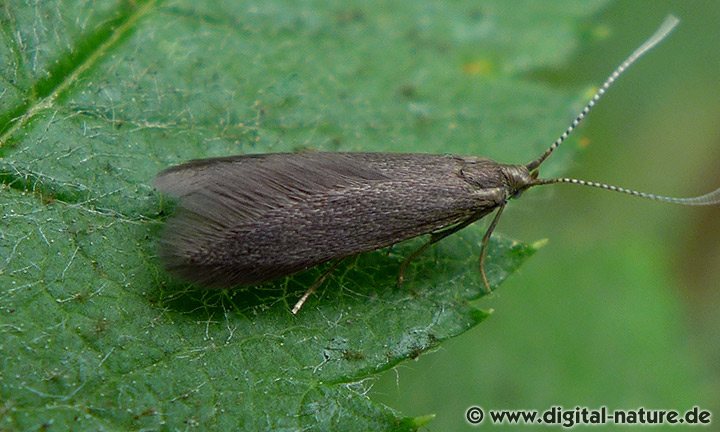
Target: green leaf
{"type": "Point", "coordinates": [95, 99]}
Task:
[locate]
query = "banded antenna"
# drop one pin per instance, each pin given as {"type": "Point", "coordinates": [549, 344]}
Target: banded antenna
{"type": "Point", "coordinates": [665, 28]}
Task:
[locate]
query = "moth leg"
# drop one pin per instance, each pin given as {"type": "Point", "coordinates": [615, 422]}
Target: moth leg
{"type": "Point", "coordinates": [315, 286]}
{"type": "Point", "coordinates": [434, 238]}
{"type": "Point", "coordinates": [484, 247]}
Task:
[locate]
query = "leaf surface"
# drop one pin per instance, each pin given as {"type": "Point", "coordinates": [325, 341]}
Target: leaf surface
{"type": "Point", "coordinates": [96, 98]}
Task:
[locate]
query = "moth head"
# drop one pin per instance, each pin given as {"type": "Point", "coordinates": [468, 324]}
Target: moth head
{"type": "Point", "coordinates": [518, 178]}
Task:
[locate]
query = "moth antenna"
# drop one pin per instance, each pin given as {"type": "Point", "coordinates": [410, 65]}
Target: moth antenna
{"type": "Point", "coordinates": [667, 26]}
{"type": "Point", "coordinates": [711, 198]}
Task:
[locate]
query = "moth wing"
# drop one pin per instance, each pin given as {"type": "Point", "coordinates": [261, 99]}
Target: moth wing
{"type": "Point", "coordinates": [247, 219]}
{"type": "Point", "coordinates": [230, 190]}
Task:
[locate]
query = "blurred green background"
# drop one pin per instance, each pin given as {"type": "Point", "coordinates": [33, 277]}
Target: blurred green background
{"type": "Point", "coordinates": [621, 307]}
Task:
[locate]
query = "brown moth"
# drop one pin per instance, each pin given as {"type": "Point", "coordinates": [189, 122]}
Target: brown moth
{"type": "Point", "coordinates": [252, 218]}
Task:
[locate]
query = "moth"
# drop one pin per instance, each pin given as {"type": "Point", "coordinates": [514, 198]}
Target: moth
{"type": "Point", "coordinates": [252, 218]}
